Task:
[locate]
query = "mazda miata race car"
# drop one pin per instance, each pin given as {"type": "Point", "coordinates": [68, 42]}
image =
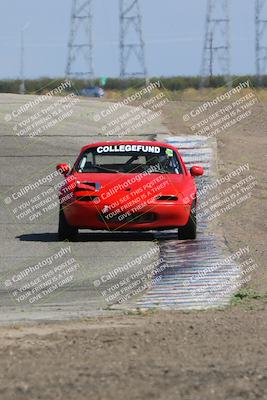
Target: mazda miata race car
{"type": "Point", "coordinates": [128, 185]}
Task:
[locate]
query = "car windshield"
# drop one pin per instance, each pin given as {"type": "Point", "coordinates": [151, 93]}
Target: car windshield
{"type": "Point", "coordinates": [129, 158]}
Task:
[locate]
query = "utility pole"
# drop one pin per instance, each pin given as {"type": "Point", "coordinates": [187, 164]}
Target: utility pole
{"type": "Point", "coordinates": [80, 46]}
{"type": "Point", "coordinates": [22, 88]}
{"type": "Point", "coordinates": [132, 47]}
{"type": "Point", "coordinates": [261, 39]}
{"type": "Point", "coordinates": [216, 49]}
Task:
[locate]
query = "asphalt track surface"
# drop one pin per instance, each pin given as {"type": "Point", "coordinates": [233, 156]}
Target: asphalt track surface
{"type": "Point", "coordinates": [27, 244]}
{"type": "Point", "coordinates": [24, 243]}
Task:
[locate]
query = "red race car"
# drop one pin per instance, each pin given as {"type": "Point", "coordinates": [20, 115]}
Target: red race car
{"type": "Point", "coordinates": [128, 185]}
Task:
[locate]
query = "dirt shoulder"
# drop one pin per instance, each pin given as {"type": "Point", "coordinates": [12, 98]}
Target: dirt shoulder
{"type": "Point", "coordinates": [194, 355]}
{"type": "Point", "coordinates": [245, 142]}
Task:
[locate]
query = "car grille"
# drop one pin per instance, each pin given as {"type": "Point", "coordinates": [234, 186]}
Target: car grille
{"type": "Point", "coordinates": [167, 198]}
{"type": "Point", "coordinates": [133, 218]}
{"type": "Point", "coordinates": [87, 198]}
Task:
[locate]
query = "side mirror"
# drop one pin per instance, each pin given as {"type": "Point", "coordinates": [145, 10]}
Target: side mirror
{"type": "Point", "coordinates": [196, 171]}
{"type": "Point", "coordinates": [64, 169]}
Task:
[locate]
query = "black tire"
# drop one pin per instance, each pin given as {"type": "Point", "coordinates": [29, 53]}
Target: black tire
{"type": "Point", "coordinates": [189, 231]}
{"type": "Point", "coordinates": [65, 231]}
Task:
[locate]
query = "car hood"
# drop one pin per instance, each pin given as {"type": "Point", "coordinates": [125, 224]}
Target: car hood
{"type": "Point", "coordinates": [110, 185]}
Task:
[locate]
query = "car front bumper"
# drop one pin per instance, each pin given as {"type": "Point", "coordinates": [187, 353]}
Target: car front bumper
{"type": "Point", "coordinates": [163, 215]}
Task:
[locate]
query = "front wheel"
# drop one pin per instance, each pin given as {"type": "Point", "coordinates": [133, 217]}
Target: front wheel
{"type": "Point", "coordinates": [65, 231]}
{"type": "Point", "coordinates": [189, 231]}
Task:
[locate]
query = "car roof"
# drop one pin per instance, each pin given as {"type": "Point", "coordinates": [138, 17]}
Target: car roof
{"type": "Point", "coordinates": [118, 142]}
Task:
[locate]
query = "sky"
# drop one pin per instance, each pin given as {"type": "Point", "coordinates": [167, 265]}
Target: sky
{"type": "Point", "coordinates": [173, 32]}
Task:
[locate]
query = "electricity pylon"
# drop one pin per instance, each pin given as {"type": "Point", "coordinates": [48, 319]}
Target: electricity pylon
{"type": "Point", "coordinates": [132, 48]}
{"type": "Point", "coordinates": [216, 50]}
{"type": "Point", "coordinates": [80, 46]}
{"type": "Point", "coordinates": [261, 39]}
